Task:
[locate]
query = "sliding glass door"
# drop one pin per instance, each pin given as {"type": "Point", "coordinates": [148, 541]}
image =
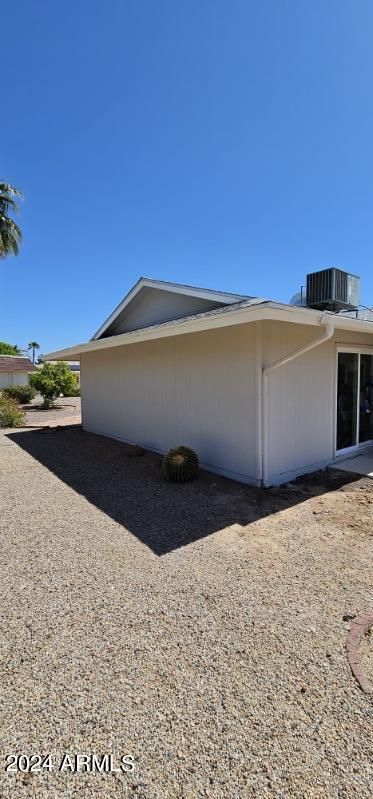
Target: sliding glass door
{"type": "Point", "coordinates": [354, 400]}
{"type": "Point", "coordinates": [366, 399]}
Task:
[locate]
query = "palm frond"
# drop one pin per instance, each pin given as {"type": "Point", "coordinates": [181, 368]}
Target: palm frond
{"type": "Point", "coordinates": [10, 232]}
{"type": "Point", "coordinates": [6, 223]}
{"type": "Point", "coordinates": [8, 204]}
{"type": "Point", "coordinates": [6, 188]}
{"type": "Point", "coordinates": [8, 244]}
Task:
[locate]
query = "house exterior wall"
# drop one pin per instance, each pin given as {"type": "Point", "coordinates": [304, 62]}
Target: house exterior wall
{"type": "Point", "coordinates": [301, 405]}
{"type": "Point", "coordinates": [13, 379]}
{"type": "Point", "coordinates": [204, 390]}
{"type": "Point", "coordinates": [198, 389]}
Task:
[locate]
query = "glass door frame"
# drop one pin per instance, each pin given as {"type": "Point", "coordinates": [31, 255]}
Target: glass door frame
{"type": "Point", "coordinates": [356, 350]}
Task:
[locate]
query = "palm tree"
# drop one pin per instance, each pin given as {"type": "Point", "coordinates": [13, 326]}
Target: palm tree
{"type": "Point", "coordinates": [33, 345]}
{"type": "Point", "coordinates": [10, 233]}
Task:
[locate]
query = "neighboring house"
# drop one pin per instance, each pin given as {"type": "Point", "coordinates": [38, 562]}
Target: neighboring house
{"type": "Point", "coordinates": [14, 370]}
{"type": "Point", "coordinates": [75, 367]}
{"type": "Point", "coordinates": [263, 391]}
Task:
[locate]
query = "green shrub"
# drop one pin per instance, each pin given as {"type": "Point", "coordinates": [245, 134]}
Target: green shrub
{"type": "Point", "coordinates": [52, 380]}
{"type": "Point", "coordinates": [74, 392]}
{"type": "Point", "coordinates": [21, 394]}
{"type": "Point", "coordinates": [11, 415]}
{"type": "Point", "coordinates": [180, 464]}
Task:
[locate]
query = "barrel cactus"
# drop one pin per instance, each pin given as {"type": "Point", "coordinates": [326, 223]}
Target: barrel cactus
{"type": "Point", "coordinates": [180, 464]}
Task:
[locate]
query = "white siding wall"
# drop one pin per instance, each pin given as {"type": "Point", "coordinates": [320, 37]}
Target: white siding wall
{"type": "Point", "coordinates": [302, 398]}
{"type": "Point", "coordinates": [198, 389]}
{"type": "Point", "coordinates": [155, 305]}
{"type": "Point", "coordinates": [202, 390]}
{"type": "Point", "coordinates": [13, 378]}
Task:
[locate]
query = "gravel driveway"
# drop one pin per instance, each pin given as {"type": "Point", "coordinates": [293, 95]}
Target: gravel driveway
{"type": "Point", "coordinates": [66, 409]}
{"type": "Point", "coordinates": [198, 628]}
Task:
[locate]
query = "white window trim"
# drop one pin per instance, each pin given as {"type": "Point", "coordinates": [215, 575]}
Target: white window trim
{"type": "Point", "coordinates": [359, 447]}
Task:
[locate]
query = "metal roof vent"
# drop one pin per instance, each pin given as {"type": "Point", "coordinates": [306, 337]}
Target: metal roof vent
{"type": "Point", "coordinates": [333, 290]}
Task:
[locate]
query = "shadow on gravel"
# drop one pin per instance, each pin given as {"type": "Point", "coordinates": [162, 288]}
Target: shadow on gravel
{"type": "Point", "coordinates": [40, 408]}
{"type": "Point", "coordinates": [127, 483]}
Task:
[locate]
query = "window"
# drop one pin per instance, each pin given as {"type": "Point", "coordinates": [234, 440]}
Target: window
{"type": "Point", "coordinates": [354, 399]}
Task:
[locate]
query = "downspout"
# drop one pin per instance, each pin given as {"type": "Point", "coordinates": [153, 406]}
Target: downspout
{"type": "Point", "coordinates": [266, 370]}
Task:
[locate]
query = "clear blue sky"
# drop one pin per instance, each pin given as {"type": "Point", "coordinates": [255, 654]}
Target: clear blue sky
{"type": "Point", "coordinates": [223, 144]}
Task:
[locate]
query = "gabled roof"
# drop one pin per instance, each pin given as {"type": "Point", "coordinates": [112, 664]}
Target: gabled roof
{"type": "Point", "coordinates": [15, 363]}
{"type": "Point", "coordinates": [249, 310]}
{"type": "Point", "coordinates": [178, 288]}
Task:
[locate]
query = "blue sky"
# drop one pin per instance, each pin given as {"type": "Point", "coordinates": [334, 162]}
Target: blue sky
{"type": "Point", "coordinates": [222, 144]}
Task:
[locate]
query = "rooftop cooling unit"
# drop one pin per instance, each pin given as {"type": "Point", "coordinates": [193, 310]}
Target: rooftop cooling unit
{"type": "Point", "coordinates": [333, 290]}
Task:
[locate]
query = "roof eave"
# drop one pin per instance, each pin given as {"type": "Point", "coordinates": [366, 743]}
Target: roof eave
{"type": "Point", "coordinates": [265, 310]}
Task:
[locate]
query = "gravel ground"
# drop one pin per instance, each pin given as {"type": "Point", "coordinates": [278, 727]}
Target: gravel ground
{"type": "Point", "coordinates": [66, 409]}
{"type": "Point", "coordinates": [198, 628]}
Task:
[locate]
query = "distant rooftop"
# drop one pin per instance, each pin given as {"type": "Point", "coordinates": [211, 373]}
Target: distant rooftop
{"type": "Point", "coordinates": [16, 363]}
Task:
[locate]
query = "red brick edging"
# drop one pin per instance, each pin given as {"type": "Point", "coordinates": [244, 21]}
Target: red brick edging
{"type": "Point", "coordinates": [358, 629]}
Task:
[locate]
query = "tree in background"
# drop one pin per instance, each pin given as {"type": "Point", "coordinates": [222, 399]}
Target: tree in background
{"type": "Point", "coordinates": [33, 345]}
{"type": "Point", "coordinates": [9, 349]}
{"type": "Point", "coordinates": [10, 233]}
{"type": "Point", "coordinates": [52, 380]}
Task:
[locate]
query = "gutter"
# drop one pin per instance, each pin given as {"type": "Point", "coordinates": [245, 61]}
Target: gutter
{"type": "Point", "coordinates": [266, 370]}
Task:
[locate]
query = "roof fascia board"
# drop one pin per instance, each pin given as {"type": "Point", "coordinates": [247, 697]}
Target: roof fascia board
{"type": "Point", "coordinates": [174, 288]}
{"type": "Point", "coordinates": [126, 300]}
{"type": "Point", "coordinates": [15, 357]}
{"type": "Point", "coordinates": [265, 311]}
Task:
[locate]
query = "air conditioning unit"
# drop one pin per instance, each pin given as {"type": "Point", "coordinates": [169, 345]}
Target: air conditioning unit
{"type": "Point", "coordinates": [333, 290]}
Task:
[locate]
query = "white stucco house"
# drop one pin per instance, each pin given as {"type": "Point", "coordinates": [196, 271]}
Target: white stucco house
{"type": "Point", "coordinates": [15, 370]}
{"type": "Point", "coordinates": [263, 391]}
